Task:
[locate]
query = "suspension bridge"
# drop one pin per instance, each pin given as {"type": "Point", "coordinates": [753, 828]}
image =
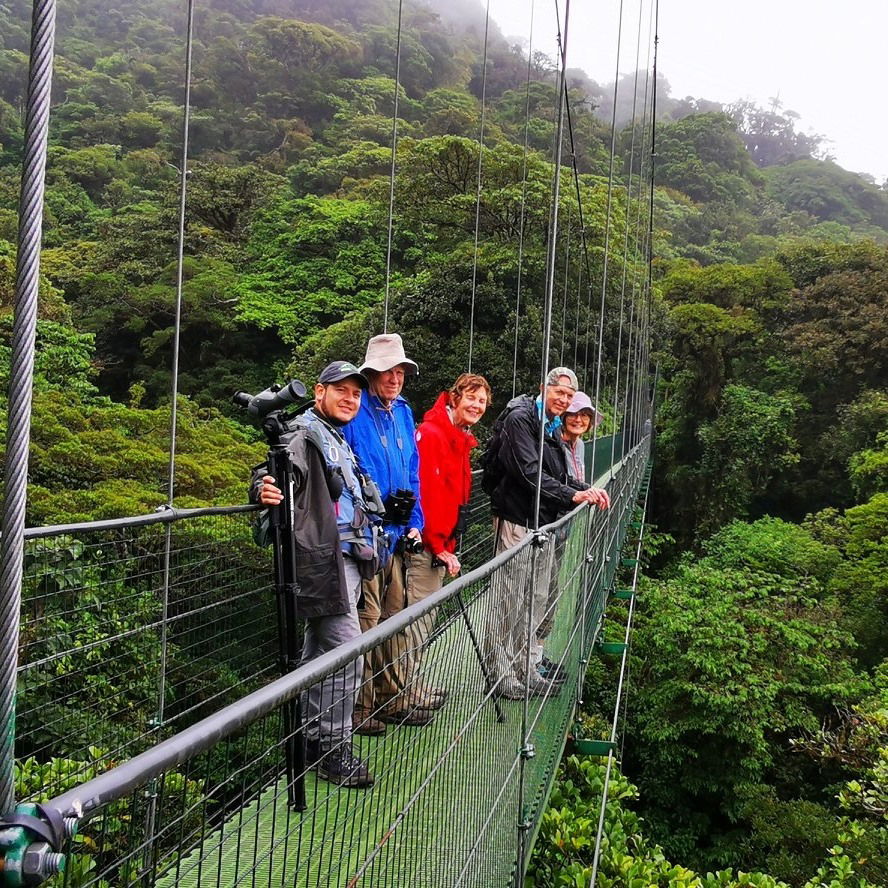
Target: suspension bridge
{"type": "Point", "coordinates": [178, 771]}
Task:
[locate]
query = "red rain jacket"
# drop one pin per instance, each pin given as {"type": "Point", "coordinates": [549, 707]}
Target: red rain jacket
{"type": "Point", "coordinates": [445, 475]}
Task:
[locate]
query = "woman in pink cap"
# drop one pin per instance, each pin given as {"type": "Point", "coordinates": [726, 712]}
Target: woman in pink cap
{"type": "Point", "coordinates": [576, 421]}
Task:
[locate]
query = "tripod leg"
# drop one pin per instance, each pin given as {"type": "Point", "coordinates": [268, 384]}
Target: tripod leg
{"type": "Point", "coordinates": [296, 759]}
{"type": "Point", "coordinates": [484, 671]}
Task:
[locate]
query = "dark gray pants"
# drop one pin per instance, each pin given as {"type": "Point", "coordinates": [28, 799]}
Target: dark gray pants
{"type": "Point", "coordinates": [328, 705]}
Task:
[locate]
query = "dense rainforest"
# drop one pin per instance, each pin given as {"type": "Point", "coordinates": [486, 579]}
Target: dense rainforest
{"type": "Point", "coordinates": [757, 728]}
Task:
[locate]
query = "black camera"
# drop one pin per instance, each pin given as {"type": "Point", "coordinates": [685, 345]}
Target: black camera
{"type": "Point", "coordinates": [399, 507]}
{"type": "Point", "coordinates": [410, 545]}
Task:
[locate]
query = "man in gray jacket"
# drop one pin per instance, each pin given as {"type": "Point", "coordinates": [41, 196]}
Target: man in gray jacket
{"type": "Point", "coordinates": [332, 620]}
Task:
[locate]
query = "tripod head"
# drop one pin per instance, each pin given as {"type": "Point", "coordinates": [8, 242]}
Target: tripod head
{"type": "Point", "coordinates": [268, 408]}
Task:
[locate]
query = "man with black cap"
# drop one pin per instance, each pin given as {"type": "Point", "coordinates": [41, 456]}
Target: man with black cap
{"type": "Point", "coordinates": [382, 435]}
{"type": "Point", "coordinates": [330, 605]}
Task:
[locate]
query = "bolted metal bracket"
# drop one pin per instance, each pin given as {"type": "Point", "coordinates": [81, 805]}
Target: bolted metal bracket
{"type": "Point", "coordinates": [540, 538]}
{"type": "Point", "coordinates": [24, 861]}
{"type": "Point", "coordinates": [528, 751]}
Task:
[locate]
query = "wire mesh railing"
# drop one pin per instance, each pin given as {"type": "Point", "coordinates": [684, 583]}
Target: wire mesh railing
{"type": "Point", "coordinates": [112, 659]}
{"type": "Point", "coordinates": [455, 800]}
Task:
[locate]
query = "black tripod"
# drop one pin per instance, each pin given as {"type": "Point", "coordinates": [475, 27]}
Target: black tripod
{"type": "Point", "coordinates": [286, 589]}
{"type": "Point", "coordinates": [269, 408]}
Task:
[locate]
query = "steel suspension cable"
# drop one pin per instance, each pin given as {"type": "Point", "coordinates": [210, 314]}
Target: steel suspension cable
{"type": "Point", "coordinates": [523, 203]}
{"type": "Point", "coordinates": [607, 229]}
{"type": "Point", "coordinates": [544, 365]}
{"type": "Point", "coordinates": [21, 382]}
{"type": "Point", "coordinates": [626, 232]}
{"type": "Point", "coordinates": [621, 682]}
{"type": "Point", "coordinates": [391, 210]}
{"type": "Point", "coordinates": [478, 185]}
{"type": "Point", "coordinates": [632, 364]}
{"type": "Point", "coordinates": [180, 252]}
{"type": "Point", "coordinates": [160, 714]}
{"type": "Point", "coordinates": [551, 247]}
{"type": "Point", "coordinates": [566, 286]}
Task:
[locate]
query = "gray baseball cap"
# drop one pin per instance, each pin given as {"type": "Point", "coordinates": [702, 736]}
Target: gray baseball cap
{"type": "Point", "coordinates": [556, 373]}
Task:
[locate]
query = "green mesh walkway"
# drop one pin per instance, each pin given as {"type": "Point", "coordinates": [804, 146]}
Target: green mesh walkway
{"type": "Point", "coordinates": [379, 836]}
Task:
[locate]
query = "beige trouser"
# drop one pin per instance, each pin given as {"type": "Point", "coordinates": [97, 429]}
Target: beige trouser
{"type": "Point", "coordinates": [518, 595]}
{"type": "Point", "coordinates": [391, 668]}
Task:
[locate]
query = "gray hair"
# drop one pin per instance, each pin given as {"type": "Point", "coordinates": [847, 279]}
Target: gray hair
{"type": "Point", "coordinates": [557, 372]}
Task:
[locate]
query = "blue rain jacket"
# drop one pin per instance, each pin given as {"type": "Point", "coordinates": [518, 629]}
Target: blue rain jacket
{"type": "Point", "coordinates": [384, 440]}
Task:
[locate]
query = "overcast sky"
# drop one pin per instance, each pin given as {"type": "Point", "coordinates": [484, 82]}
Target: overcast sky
{"type": "Point", "coordinates": [824, 60]}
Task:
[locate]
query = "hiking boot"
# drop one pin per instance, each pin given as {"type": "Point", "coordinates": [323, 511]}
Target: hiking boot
{"type": "Point", "coordinates": [549, 670]}
{"type": "Point", "coordinates": [538, 687]}
{"type": "Point", "coordinates": [369, 726]}
{"type": "Point", "coordinates": [541, 687]}
{"type": "Point", "coordinates": [430, 704]}
{"type": "Point", "coordinates": [342, 767]}
{"type": "Point", "coordinates": [412, 718]}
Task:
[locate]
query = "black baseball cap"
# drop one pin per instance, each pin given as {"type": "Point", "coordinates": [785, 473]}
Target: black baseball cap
{"type": "Point", "coordinates": [340, 370]}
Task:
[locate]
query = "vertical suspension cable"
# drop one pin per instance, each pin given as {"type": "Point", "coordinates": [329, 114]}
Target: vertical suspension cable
{"type": "Point", "coordinates": [180, 252]}
{"type": "Point", "coordinates": [626, 233]}
{"type": "Point", "coordinates": [547, 332]}
{"type": "Point", "coordinates": [551, 247]}
{"type": "Point", "coordinates": [478, 186]}
{"type": "Point", "coordinates": [577, 316]}
{"type": "Point", "coordinates": [21, 382]}
{"type": "Point", "coordinates": [632, 357]}
{"type": "Point", "coordinates": [391, 211]}
{"type": "Point", "coordinates": [566, 285]}
{"type": "Point", "coordinates": [160, 716]}
{"type": "Point", "coordinates": [607, 229]}
{"type": "Point", "coordinates": [523, 203]}
{"type": "Point", "coordinates": [653, 170]}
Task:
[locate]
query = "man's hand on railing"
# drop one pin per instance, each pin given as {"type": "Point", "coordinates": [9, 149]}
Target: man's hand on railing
{"type": "Point", "coordinates": [269, 494]}
{"type": "Point", "coordinates": [594, 496]}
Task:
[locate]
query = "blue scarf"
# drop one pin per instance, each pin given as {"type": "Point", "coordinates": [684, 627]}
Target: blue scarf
{"type": "Point", "coordinates": [552, 425]}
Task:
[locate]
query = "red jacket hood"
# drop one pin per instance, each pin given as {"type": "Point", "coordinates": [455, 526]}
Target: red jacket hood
{"type": "Point", "coordinates": [445, 476]}
{"type": "Point", "coordinates": [438, 416]}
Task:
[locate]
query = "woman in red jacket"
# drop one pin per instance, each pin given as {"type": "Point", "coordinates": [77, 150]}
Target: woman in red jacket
{"type": "Point", "coordinates": [444, 441]}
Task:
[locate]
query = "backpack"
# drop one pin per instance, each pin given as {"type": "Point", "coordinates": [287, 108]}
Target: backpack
{"type": "Point", "coordinates": [491, 468]}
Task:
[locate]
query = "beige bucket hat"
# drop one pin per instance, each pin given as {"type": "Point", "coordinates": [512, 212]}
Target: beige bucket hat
{"type": "Point", "coordinates": [386, 351]}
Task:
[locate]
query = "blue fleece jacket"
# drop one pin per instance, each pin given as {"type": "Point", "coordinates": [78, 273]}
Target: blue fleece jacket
{"type": "Point", "coordinates": [384, 441]}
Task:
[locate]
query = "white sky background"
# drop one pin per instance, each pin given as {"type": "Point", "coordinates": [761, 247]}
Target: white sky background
{"type": "Point", "coordinates": [826, 60]}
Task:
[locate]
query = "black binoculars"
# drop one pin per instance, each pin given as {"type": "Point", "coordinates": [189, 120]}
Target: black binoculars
{"type": "Point", "coordinates": [399, 507]}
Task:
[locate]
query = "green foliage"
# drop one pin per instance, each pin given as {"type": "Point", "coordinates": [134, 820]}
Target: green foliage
{"type": "Point", "coordinates": [104, 460]}
{"type": "Point", "coordinates": [772, 546]}
{"type": "Point", "coordinates": [565, 847]}
{"type": "Point", "coordinates": [316, 261]}
{"type": "Point", "coordinates": [731, 664]}
{"type": "Point", "coordinates": [827, 192]}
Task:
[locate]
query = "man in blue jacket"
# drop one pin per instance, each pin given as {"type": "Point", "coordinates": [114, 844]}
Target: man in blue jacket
{"type": "Point", "coordinates": [382, 435]}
